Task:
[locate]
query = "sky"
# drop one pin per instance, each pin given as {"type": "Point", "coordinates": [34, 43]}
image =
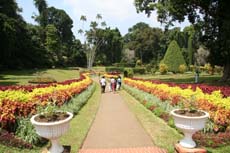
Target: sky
{"type": "Point", "coordinates": [116, 13]}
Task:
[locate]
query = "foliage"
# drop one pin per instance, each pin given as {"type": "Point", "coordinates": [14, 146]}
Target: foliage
{"type": "Point", "coordinates": [208, 68]}
{"type": "Point", "coordinates": [41, 80]}
{"type": "Point", "coordinates": [208, 18]}
{"type": "Point", "coordinates": [128, 72]}
{"type": "Point", "coordinates": [214, 103]}
{"type": "Point", "coordinates": [9, 140]}
{"type": "Point", "coordinates": [138, 63]}
{"type": "Point", "coordinates": [145, 41]}
{"type": "Point", "coordinates": [204, 139]}
{"type": "Point", "coordinates": [12, 106]}
{"type": "Point", "coordinates": [26, 132]}
{"type": "Point", "coordinates": [182, 68]}
{"type": "Point", "coordinates": [114, 69]}
{"type": "Point", "coordinates": [163, 68]}
{"type": "Point", "coordinates": [139, 70]}
{"type": "Point", "coordinates": [173, 57]}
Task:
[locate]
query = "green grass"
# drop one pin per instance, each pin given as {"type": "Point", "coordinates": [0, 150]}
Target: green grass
{"type": "Point", "coordinates": [22, 77]}
{"type": "Point", "coordinates": [81, 123]}
{"type": "Point", "coordinates": [162, 135]}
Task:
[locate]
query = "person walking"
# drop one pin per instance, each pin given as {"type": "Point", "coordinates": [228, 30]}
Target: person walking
{"type": "Point", "coordinates": [118, 82]}
{"type": "Point", "coordinates": [103, 84]}
{"type": "Point", "coordinates": [113, 84]}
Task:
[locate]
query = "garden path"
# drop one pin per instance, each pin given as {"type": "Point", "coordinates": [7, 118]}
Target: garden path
{"type": "Point", "coordinates": [115, 129]}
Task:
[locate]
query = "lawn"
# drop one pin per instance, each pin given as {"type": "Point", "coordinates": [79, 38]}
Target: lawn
{"type": "Point", "coordinates": [23, 76]}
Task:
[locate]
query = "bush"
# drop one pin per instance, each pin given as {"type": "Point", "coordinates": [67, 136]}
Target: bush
{"type": "Point", "coordinates": [124, 64]}
{"type": "Point", "coordinates": [112, 69]}
{"type": "Point", "coordinates": [173, 57]}
{"type": "Point", "coordinates": [163, 68]}
{"type": "Point", "coordinates": [128, 72]}
{"type": "Point", "coordinates": [148, 68]}
{"type": "Point", "coordinates": [208, 68]}
{"type": "Point", "coordinates": [218, 69]}
{"type": "Point", "coordinates": [138, 63]}
{"type": "Point", "coordinates": [139, 70]}
{"type": "Point", "coordinates": [182, 68]}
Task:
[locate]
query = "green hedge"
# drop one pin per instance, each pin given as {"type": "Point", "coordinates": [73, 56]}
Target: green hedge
{"type": "Point", "coordinates": [139, 70]}
{"type": "Point", "coordinates": [112, 69]}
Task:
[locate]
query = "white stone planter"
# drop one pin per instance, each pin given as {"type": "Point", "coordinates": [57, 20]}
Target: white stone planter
{"type": "Point", "coordinates": [52, 131]}
{"type": "Point", "coordinates": [189, 125]}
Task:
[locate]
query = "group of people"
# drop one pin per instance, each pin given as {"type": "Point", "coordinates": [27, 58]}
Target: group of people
{"type": "Point", "coordinates": [115, 84]}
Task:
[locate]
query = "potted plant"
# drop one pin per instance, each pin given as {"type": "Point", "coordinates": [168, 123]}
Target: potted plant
{"type": "Point", "coordinates": [189, 120]}
{"type": "Point", "coordinates": [52, 124]}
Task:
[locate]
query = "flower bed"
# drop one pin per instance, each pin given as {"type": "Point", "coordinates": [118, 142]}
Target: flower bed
{"type": "Point", "coordinates": [225, 90]}
{"type": "Point", "coordinates": [214, 103]}
{"type": "Point", "coordinates": [161, 109]}
{"type": "Point", "coordinates": [20, 101]}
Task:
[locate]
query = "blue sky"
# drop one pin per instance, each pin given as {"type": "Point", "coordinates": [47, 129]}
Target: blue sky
{"type": "Point", "coordinates": [116, 13]}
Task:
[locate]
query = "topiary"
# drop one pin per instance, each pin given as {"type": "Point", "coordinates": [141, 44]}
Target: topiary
{"type": "Point", "coordinates": [182, 68]}
{"type": "Point", "coordinates": [163, 68]}
{"type": "Point", "coordinates": [173, 57]}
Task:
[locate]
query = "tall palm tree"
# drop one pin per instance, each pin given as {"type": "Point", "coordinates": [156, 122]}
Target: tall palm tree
{"type": "Point", "coordinates": [93, 24]}
{"type": "Point", "coordinates": [83, 19]}
{"type": "Point", "coordinates": [98, 17]}
{"type": "Point", "coordinates": [80, 31]}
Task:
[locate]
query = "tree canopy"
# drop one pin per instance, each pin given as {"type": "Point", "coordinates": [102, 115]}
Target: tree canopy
{"type": "Point", "coordinates": [211, 17]}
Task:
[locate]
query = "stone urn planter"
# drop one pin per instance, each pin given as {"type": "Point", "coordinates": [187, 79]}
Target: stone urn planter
{"type": "Point", "coordinates": [189, 125]}
{"type": "Point", "coordinates": [52, 130]}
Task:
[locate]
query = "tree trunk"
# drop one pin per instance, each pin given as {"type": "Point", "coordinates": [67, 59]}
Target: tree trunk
{"type": "Point", "coordinates": [226, 73]}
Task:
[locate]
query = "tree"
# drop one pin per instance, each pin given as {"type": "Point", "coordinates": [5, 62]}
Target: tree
{"type": "Point", "coordinates": [145, 41]}
{"type": "Point", "coordinates": [53, 43]}
{"type": "Point", "coordinates": [17, 48]}
{"type": "Point", "coordinates": [92, 41]}
{"type": "Point", "coordinates": [42, 18]}
{"type": "Point", "coordinates": [173, 57]}
{"type": "Point", "coordinates": [210, 17]}
{"type": "Point", "coordinates": [110, 50]}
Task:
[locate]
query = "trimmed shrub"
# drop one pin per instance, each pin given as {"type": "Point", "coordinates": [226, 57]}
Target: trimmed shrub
{"type": "Point", "coordinates": [173, 57]}
{"type": "Point", "coordinates": [139, 70]}
{"type": "Point", "coordinates": [128, 72]}
{"type": "Point", "coordinates": [163, 68]}
{"type": "Point", "coordinates": [182, 68]}
{"type": "Point", "coordinates": [112, 69]}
